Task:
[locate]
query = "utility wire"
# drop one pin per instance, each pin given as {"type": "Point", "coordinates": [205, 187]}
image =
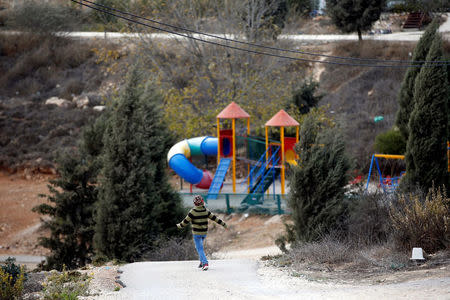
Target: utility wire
{"type": "Point", "coordinates": [263, 46]}
{"type": "Point", "coordinates": [254, 51]}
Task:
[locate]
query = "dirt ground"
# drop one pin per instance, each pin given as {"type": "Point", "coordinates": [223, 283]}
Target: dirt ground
{"type": "Point", "coordinates": [19, 226]}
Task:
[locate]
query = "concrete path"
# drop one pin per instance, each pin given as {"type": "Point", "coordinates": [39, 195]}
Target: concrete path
{"type": "Point", "coordinates": [246, 279]}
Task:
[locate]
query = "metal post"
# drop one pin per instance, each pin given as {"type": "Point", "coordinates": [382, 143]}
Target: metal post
{"type": "Point", "coordinates": [227, 199]}
{"type": "Point", "coordinates": [279, 205]}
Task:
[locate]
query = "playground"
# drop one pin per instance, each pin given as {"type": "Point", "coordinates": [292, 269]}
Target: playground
{"type": "Point", "coordinates": [250, 171]}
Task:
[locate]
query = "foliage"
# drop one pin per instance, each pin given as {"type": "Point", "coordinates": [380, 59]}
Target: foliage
{"type": "Point", "coordinates": [42, 18]}
{"type": "Point", "coordinates": [171, 249]}
{"type": "Point", "coordinates": [317, 182]}
{"type": "Point", "coordinates": [136, 202]}
{"type": "Point", "coordinates": [73, 195]}
{"type": "Point", "coordinates": [390, 142]}
{"type": "Point", "coordinates": [421, 5]}
{"type": "Point", "coordinates": [11, 284]}
{"type": "Point", "coordinates": [12, 269]}
{"type": "Point", "coordinates": [355, 15]}
{"type": "Point", "coordinates": [67, 285]}
{"type": "Point", "coordinates": [303, 7]}
{"type": "Point", "coordinates": [419, 222]}
{"type": "Point", "coordinates": [305, 97]}
{"type": "Point", "coordinates": [426, 151]}
{"type": "Point", "coordinates": [406, 95]}
{"type": "Point", "coordinates": [368, 219]}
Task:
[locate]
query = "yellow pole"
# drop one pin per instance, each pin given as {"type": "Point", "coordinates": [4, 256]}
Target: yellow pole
{"type": "Point", "coordinates": [234, 154]}
{"type": "Point", "coordinates": [218, 141]}
{"type": "Point", "coordinates": [282, 160]}
{"type": "Point", "coordinates": [267, 147]}
{"type": "Point", "coordinates": [391, 156]}
{"type": "Point", "coordinates": [248, 164]}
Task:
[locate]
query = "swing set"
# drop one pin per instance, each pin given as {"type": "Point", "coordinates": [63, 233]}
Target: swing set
{"type": "Point", "coordinates": [388, 183]}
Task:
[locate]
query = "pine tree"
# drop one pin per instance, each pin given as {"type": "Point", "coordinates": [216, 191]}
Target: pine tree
{"type": "Point", "coordinates": [73, 195]}
{"type": "Point", "coordinates": [406, 95]}
{"type": "Point", "coordinates": [136, 202]}
{"type": "Point", "coordinates": [305, 98]}
{"type": "Point", "coordinates": [426, 151]}
{"type": "Point", "coordinates": [355, 15]}
{"type": "Point", "coordinates": [317, 183]}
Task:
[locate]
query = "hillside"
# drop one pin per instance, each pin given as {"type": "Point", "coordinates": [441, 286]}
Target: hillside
{"type": "Point", "coordinates": [32, 133]}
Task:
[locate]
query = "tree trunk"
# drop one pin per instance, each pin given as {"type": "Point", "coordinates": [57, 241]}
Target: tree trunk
{"type": "Point", "coordinates": [359, 35]}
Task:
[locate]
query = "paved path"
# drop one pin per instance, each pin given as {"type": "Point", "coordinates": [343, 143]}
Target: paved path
{"type": "Point", "coordinates": [243, 279]}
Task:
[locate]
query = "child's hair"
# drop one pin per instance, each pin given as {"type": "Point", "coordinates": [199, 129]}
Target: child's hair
{"type": "Point", "coordinates": [198, 200]}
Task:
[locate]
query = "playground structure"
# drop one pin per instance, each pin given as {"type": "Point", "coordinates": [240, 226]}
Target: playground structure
{"type": "Point", "coordinates": [264, 159]}
{"type": "Point", "coordinates": [387, 183]}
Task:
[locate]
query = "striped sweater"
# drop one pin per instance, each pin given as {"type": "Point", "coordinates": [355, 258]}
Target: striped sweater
{"type": "Point", "coordinates": [198, 216]}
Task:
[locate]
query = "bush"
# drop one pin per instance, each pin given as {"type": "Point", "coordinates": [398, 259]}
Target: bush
{"type": "Point", "coordinates": [418, 222]}
{"type": "Point", "coordinates": [171, 249]}
{"type": "Point", "coordinates": [368, 220]}
{"type": "Point", "coordinates": [390, 142]}
{"type": "Point", "coordinates": [66, 285]}
{"type": "Point", "coordinates": [42, 18]}
{"type": "Point", "coordinates": [12, 278]}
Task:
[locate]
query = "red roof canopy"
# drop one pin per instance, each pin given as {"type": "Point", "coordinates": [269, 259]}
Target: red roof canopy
{"type": "Point", "coordinates": [233, 111]}
{"type": "Point", "coordinates": [282, 118]}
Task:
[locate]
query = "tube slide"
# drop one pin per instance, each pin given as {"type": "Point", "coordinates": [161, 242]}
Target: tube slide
{"type": "Point", "coordinates": [178, 159]}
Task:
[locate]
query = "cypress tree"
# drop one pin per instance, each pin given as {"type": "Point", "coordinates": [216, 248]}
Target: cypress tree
{"type": "Point", "coordinates": [72, 198]}
{"type": "Point", "coordinates": [317, 184]}
{"type": "Point", "coordinates": [406, 95]}
{"type": "Point", "coordinates": [136, 202]}
{"type": "Point", "coordinates": [426, 151]}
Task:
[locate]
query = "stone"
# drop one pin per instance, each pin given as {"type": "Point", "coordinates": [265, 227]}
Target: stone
{"type": "Point", "coordinates": [99, 108]}
{"type": "Point", "coordinates": [81, 101]}
{"type": "Point", "coordinates": [58, 102]}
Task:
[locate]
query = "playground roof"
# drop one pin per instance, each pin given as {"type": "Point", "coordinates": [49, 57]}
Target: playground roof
{"type": "Point", "coordinates": [282, 118]}
{"type": "Point", "coordinates": [233, 111]}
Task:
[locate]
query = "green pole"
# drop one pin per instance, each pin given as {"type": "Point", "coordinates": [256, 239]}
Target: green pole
{"type": "Point", "coordinates": [227, 199]}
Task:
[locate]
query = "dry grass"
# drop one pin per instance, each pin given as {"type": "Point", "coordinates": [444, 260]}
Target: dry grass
{"type": "Point", "coordinates": [422, 222]}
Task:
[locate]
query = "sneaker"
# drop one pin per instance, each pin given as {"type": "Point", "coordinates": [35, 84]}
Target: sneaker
{"type": "Point", "coordinates": [205, 267]}
{"type": "Point", "coordinates": [200, 265]}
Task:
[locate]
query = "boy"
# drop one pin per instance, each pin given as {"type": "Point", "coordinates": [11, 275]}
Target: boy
{"type": "Point", "coordinates": [198, 216]}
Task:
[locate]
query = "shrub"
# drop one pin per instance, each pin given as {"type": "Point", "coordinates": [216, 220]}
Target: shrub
{"type": "Point", "coordinates": [390, 142]}
{"type": "Point", "coordinates": [66, 285]}
{"type": "Point", "coordinates": [368, 220]}
{"type": "Point", "coordinates": [171, 249]}
{"type": "Point", "coordinates": [42, 18]}
{"type": "Point", "coordinates": [12, 278]}
{"type": "Point", "coordinates": [329, 249]}
{"type": "Point", "coordinates": [418, 222]}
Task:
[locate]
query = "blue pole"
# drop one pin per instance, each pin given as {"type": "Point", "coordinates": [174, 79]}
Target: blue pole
{"type": "Point", "coordinates": [370, 172]}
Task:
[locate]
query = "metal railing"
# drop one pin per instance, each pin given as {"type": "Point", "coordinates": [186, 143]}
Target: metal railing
{"type": "Point", "coordinates": [231, 203]}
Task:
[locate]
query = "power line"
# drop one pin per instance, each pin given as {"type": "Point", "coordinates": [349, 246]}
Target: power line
{"type": "Point", "coordinates": [258, 52]}
{"type": "Point", "coordinates": [264, 46]}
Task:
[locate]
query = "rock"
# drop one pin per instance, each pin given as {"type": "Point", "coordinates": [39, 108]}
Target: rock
{"type": "Point", "coordinates": [99, 108]}
{"type": "Point", "coordinates": [58, 102]}
{"type": "Point", "coordinates": [81, 101]}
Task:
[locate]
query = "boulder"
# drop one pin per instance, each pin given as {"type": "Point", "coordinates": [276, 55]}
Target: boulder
{"type": "Point", "coordinates": [58, 102]}
{"type": "Point", "coordinates": [81, 101]}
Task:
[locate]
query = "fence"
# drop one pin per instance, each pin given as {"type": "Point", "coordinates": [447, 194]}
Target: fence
{"type": "Point", "coordinates": [232, 203]}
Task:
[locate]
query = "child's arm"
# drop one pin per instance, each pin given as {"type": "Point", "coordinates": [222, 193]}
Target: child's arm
{"type": "Point", "coordinates": [185, 221]}
{"type": "Point", "coordinates": [216, 219]}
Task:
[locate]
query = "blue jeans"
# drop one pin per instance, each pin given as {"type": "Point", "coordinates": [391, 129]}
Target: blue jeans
{"type": "Point", "coordinates": [198, 240]}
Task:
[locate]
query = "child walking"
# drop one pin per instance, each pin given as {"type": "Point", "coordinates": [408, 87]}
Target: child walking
{"type": "Point", "coordinates": [198, 216]}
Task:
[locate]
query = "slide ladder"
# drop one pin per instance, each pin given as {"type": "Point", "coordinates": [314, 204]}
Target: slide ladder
{"type": "Point", "coordinates": [218, 179]}
{"type": "Point", "coordinates": [264, 177]}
